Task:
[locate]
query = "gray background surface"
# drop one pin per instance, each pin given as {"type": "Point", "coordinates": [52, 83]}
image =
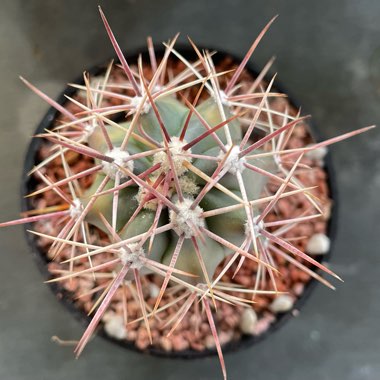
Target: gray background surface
{"type": "Point", "coordinates": [328, 55]}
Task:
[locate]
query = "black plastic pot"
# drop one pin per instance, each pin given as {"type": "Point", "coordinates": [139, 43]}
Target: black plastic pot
{"type": "Point", "coordinates": [28, 184]}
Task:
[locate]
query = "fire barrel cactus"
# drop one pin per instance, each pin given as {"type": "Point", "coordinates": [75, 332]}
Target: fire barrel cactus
{"type": "Point", "coordinates": [188, 153]}
{"type": "Point", "coordinates": [178, 186]}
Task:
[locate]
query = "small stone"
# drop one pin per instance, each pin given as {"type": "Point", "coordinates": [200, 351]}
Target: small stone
{"type": "Point", "coordinates": [261, 303]}
{"type": "Point", "coordinates": [114, 327]}
{"type": "Point", "coordinates": [232, 320]}
{"type": "Point", "coordinates": [242, 280]}
{"type": "Point", "coordinates": [197, 346]}
{"type": "Point", "coordinates": [298, 288]}
{"type": "Point", "coordinates": [281, 304]}
{"type": "Point", "coordinates": [71, 285]}
{"type": "Point", "coordinates": [195, 319]}
{"type": "Point", "coordinates": [179, 343]}
{"type": "Point", "coordinates": [225, 337]}
{"type": "Point", "coordinates": [319, 244]}
{"type": "Point", "coordinates": [142, 344]}
{"type": "Point", "coordinates": [295, 313]}
{"type": "Point", "coordinates": [248, 321]}
{"type": "Point", "coordinates": [285, 207]}
{"type": "Point", "coordinates": [132, 335]}
{"type": "Point", "coordinates": [142, 333]}
{"type": "Point", "coordinates": [204, 327]}
{"type": "Point", "coordinates": [263, 324]}
{"type": "Point", "coordinates": [210, 342]}
{"type": "Point", "coordinates": [166, 344]}
{"type": "Point", "coordinates": [154, 290]}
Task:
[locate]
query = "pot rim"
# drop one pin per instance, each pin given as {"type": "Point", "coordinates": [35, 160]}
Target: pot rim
{"type": "Point", "coordinates": [64, 296]}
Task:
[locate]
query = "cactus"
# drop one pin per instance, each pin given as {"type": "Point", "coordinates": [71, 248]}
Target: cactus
{"type": "Point", "coordinates": [178, 185]}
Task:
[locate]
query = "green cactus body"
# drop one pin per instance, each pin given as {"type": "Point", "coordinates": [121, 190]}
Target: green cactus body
{"type": "Point", "coordinates": [231, 226]}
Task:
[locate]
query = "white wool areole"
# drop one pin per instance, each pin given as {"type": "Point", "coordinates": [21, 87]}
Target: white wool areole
{"type": "Point", "coordinates": [122, 159]}
{"type": "Point", "coordinates": [186, 219]}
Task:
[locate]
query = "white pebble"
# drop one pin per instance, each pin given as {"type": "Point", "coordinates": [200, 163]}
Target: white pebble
{"type": "Point", "coordinates": [317, 154]}
{"type": "Point", "coordinates": [281, 304]}
{"type": "Point", "coordinates": [248, 321]}
{"type": "Point", "coordinates": [114, 327]}
{"type": "Point", "coordinates": [153, 290]}
{"type": "Point", "coordinates": [319, 244]}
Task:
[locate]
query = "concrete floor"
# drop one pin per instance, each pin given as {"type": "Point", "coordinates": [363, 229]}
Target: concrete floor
{"type": "Point", "coordinates": [328, 55]}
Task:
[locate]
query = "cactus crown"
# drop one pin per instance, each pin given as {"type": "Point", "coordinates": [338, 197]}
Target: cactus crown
{"type": "Point", "coordinates": [179, 184]}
